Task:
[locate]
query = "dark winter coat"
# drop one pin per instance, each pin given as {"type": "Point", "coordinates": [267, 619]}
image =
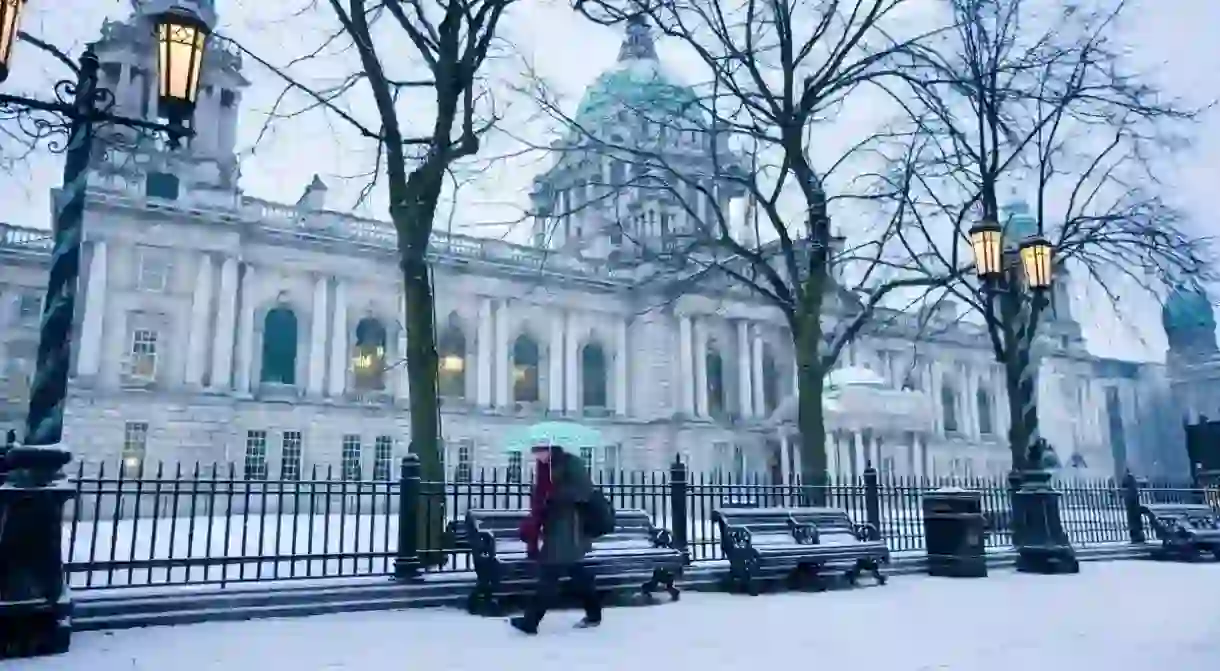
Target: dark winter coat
{"type": "Point", "coordinates": [564, 540]}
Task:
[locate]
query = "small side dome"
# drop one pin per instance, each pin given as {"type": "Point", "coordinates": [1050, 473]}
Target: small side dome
{"type": "Point", "coordinates": [1189, 320]}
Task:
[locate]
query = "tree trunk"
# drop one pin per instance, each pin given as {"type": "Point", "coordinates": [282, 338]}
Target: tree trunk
{"type": "Point", "coordinates": [811, 418]}
{"type": "Point", "coordinates": [414, 235]}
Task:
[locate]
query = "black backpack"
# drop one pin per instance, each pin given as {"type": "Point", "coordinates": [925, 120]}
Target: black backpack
{"type": "Point", "coordinates": [599, 515]}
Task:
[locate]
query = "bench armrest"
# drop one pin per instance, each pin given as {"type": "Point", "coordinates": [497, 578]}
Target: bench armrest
{"type": "Point", "coordinates": [806, 534]}
{"type": "Point", "coordinates": [661, 537]}
{"type": "Point", "coordinates": [484, 545]}
{"type": "Point", "coordinates": [865, 531]}
{"type": "Point", "coordinates": [736, 538]}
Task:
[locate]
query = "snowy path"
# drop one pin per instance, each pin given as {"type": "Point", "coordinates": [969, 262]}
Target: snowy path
{"type": "Point", "coordinates": [1114, 616]}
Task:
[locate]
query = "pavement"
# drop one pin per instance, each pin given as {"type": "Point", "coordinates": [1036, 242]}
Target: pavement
{"type": "Point", "coordinates": [1117, 616]}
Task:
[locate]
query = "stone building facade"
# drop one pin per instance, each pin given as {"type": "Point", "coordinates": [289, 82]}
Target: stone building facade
{"type": "Point", "coordinates": [219, 327]}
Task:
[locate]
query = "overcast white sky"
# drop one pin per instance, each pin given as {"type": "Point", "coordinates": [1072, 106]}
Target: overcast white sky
{"type": "Point", "coordinates": [1174, 39]}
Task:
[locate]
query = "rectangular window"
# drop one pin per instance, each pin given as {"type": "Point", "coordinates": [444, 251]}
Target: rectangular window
{"type": "Point", "coordinates": [350, 463]}
{"type": "Point", "coordinates": [135, 447]}
{"type": "Point", "coordinates": [256, 455]}
{"type": "Point", "coordinates": [383, 457]}
{"type": "Point", "coordinates": [29, 307]}
{"type": "Point", "coordinates": [612, 457]}
{"type": "Point", "coordinates": [720, 459]}
{"type": "Point", "coordinates": [143, 365]}
{"type": "Point", "coordinates": [290, 456]}
{"type": "Point", "coordinates": [739, 463]}
{"type": "Point", "coordinates": [153, 272]}
{"type": "Point", "coordinates": [464, 471]}
{"type": "Point", "coordinates": [588, 456]}
{"type": "Point", "coordinates": [514, 471]}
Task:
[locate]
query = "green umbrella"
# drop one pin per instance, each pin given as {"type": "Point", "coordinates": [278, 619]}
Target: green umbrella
{"type": "Point", "coordinates": [568, 435]}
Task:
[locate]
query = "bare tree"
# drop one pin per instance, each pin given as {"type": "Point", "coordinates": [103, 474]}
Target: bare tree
{"type": "Point", "coordinates": [448, 43]}
{"type": "Point", "coordinates": [1018, 99]}
{"type": "Point", "coordinates": [773, 70]}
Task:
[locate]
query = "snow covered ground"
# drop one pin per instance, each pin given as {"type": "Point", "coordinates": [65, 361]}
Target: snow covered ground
{"type": "Point", "coordinates": [1116, 616]}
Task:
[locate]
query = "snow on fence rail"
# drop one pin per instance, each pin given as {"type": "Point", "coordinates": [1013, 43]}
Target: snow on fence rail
{"type": "Point", "coordinates": [213, 526]}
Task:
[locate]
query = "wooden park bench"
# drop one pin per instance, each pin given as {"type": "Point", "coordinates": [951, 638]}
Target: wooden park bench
{"type": "Point", "coordinates": [1186, 530]}
{"type": "Point", "coordinates": [797, 545]}
{"type": "Point", "coordinates": [637, 556]}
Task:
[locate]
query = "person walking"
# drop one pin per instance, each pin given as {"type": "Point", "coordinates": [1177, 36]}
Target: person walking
{"type": "Point", "coordinates": [556, 536]}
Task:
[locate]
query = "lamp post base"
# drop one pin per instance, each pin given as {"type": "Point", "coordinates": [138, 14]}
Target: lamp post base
{"type": "Point", "coordinates": [35, 602]}
{"type": "Point", "coordinates": [1042, 544]}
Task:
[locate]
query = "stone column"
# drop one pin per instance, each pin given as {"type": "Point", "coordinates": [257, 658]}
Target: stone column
{"type": "Point", "coordinates": [571, 367]}
{"type": "Point", "coordinates": [861, 455]}
{"type": "Point", "coordinates": [700, 331]}
{"type": "Point", "coordinates": [686, 372]}
{"type": "Point", "coordinates": [555, 353]}
{"type": "Point", "coordinates": [89, 356]}
{"type": "Point", "coordinates": [338, 342]}
{"type": "Point", "coordinates": [317, 338]}
{"type": "Point", "coordinates": [201, 310]}
{"type": "Point", "coordinates": [484, 354]}
{"type": "Point", "coordinates": [757, 385]}
{"type": "Point", "coordinates": [226, 318]}
{"type": "Point", "coordinates": [745, 390]}
{"type": "Point", "coordinates": [832, 453]}
{"type": "Point", "coordinates": [245, 332]}
{"type": "Point", "coordinates": [503, 362]}
{"type": "Point", "coordinates": [621, 374]}
{"type": "Point", "coordinates": [785, 457]}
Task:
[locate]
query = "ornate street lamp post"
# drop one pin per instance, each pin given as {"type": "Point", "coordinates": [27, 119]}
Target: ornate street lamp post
{"type": "Point", "coordinates": [1016, 284]}
{"type": "Point", "coordinates": [35, 604]}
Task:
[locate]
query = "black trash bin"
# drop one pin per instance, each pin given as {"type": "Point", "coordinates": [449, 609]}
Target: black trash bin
{"type": "Point", "coordinates": [954, 530]}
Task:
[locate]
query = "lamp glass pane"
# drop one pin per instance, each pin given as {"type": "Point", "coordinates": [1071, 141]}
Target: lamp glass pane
{"type": "Point", "coordinates": [180, 52]}
{"type": "Point", "coordinates": [985, 242]}
{"type": "Point", "coordinates": [10, 14]}
{"type": "Point", "coordinates": [1036, 262]}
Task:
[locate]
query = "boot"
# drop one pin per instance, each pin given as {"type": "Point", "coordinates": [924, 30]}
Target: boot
{"type": "Point", "coordinates": [524, 625]}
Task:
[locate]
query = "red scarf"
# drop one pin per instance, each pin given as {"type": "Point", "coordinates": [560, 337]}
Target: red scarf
{"type": "Point", "coordinates": [531, 528]}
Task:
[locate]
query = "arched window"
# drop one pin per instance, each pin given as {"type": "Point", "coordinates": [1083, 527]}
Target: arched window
{"type": "Point", "coordinates": [593, 376]}
{"type": "Point", "coordinates": [715, 381]}
{"type": "Point", "coordinates": [280, 346]}
{"type": "Point", "coordinates": [986, 413]}
{"type": "Point", "coordinates": [948, 402]}
{"type": "Point", "coordinates": [451, 373]}
{"type": "Point", "coordinates": [770, 381]}
{"type": "Point", "coordinates": [525, 370]}
{"type": "Point", "coordinates": [368, 360]}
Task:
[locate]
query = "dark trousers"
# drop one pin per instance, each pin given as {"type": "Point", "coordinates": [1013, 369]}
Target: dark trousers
{"type": "Point", "coordinates": [547, 592]}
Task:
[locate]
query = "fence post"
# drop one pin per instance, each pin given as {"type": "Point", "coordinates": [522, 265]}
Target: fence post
{"type": "Point", "coordinates": [677, 506]}
{"type": "Point", "coordinates": [872, 497]}
{"type": "Point", "coordinates": [1131, 501]}
{"type": "Point", "coordinates": [406, 558]}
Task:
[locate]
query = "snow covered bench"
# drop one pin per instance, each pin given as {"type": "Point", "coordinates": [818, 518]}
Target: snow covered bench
{"type": "Point", "coordinates": [796, 544]}
{"type": "Point", "coordinates": [1186, 530]}
{"type": "Point", "coordinates": [636, 556]}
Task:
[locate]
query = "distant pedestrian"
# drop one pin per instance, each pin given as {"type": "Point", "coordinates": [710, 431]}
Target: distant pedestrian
{"type": "Point", "coordinates": [557, 538]}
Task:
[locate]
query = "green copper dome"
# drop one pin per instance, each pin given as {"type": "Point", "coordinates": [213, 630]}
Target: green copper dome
{"type": "Point", "coordinates": [636, 85]}
{"type": "Point", "coordinates": [1188, 308]}
{"type": "Point", "coordinates": [1188, 318]}
{"type": "Point", "coordinates": [1019, 222]}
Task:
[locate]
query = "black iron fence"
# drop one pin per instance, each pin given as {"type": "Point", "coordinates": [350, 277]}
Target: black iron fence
{"type": "Point", "coordinates": [196, 525]}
